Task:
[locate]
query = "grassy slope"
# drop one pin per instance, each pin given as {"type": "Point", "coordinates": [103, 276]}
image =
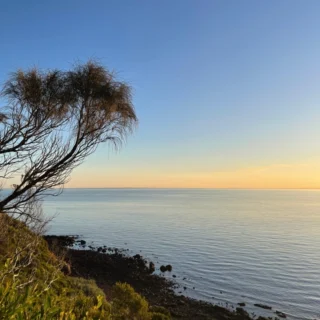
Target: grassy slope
{"type": "Point", "coordinates": [33, 287]}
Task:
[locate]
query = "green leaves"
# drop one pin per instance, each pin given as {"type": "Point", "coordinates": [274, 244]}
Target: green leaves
{"type": "Point", "coordinates": [28, 304]}
{"type": "Point", "coordinates": [128, 304]}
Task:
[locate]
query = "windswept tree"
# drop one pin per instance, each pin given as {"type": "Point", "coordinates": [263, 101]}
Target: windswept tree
{"type": "Point", "coordinates": [53, 120]}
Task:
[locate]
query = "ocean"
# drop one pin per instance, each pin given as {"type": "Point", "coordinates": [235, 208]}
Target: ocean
{"type": "Point", "coordinates": [225, 246]}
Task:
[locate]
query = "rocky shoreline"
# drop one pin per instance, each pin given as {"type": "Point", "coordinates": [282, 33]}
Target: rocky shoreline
{"type": "Point", "coordinates": [110, 265]}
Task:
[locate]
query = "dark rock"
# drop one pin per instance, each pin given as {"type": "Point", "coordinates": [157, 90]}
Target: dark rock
{"type": "Point", "coordinates": [61, 241]}
{"type": "Point", "coordinates": [241, 304]}
{"type": "Point", "coordinates": [137, 256]}
{"type": "Point", "coordinates": [104, 250]}
{"type": "Point", "coordinates": [281, 314]}
{"type": "Point", "coordinates": [99, 249]}
{"type": "Point", "coordinates": [174, 275]}
{"type": "Point", "coordinates": [163, 268]}
{"type": "Point", "coordinates": [263, 306]}
{"type": "Point", "coordinates": [152, 267]}
{"type": "Point", "coordinates": [168, 267]}
{"type": "Point", "coordinates": [241, 312]}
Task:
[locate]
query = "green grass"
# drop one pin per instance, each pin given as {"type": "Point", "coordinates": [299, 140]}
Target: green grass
{"type": "Point", "coordinates": [33, 287]}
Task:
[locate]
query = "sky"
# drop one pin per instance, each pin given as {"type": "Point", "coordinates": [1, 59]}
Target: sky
{"type": "Point", "coordinates": [227, 92]}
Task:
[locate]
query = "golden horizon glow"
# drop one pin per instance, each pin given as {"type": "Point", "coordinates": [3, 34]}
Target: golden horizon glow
{"type": "Point", "coordinates": [278, 176]}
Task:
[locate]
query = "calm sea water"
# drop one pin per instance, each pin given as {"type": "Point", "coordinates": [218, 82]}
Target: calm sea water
{"type": "Point", "coordinates": [252, 246]}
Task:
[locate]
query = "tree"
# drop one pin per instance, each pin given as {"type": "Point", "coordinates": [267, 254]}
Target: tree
{"type": "Point", "coordinates": [53, 121]}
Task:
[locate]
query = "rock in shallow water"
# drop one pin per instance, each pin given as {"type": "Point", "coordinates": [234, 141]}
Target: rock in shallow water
{"type": "Point", "coordinates": [168, 267]}
{"type": "Point", "coordinates": [81, 242]}
{"type": "Point", "coordinates": [152, 267]}
{"type": "Point", "coordinates": [163, 268]}
{"type": "Point", "coordinates": [281, 314]}
{"type": "Point", "coordinates": [263, 306]}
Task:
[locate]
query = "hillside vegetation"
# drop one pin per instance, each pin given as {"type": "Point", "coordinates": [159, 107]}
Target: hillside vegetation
{"type": "Point", "coordinates": [32, 285]}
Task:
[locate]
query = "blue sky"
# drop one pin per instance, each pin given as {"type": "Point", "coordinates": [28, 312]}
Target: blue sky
{"type": "Point", "coordinates": [222, 89]}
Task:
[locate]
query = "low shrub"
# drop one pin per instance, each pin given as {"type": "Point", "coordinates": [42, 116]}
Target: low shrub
{"type": "Point", "coordinates": [32, 287]}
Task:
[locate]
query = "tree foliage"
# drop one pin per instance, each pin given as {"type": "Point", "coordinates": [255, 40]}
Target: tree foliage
{"type": "Point", "coordinates": [53, 120]}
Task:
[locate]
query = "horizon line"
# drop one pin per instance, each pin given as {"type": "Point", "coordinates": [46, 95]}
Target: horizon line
{"type": "Point", "coordinates": [213, 188]}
